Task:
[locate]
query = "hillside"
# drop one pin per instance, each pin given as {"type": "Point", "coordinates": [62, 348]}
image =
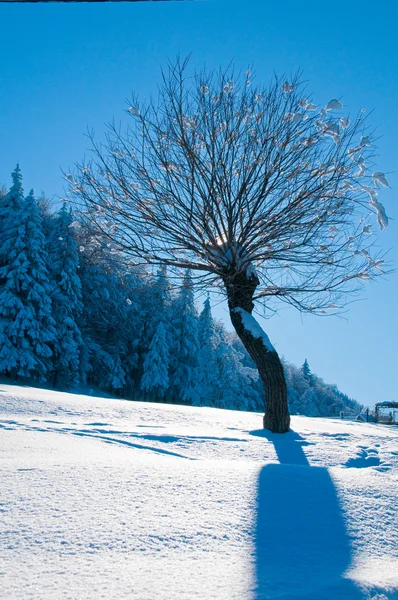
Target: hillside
{"type": "Point", "coordinates": [106, 498]}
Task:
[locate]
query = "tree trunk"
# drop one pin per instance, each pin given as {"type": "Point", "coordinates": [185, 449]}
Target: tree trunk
{"type": "Point", "coordinates": [240, 301]}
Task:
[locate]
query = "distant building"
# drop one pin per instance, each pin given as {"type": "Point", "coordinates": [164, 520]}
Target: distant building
{"type": "Point", "coordinates": [386, 412]}
{"type": "Point", "coordinates": [366, 416]}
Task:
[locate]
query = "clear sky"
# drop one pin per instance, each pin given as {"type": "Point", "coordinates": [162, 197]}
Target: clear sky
{"type": "Point", "coordinates": [64, 67]}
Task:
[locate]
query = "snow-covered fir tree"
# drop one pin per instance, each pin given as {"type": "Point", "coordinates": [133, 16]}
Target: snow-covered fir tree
{"type": "Point", "coordinates": [306, 371]}
{"type": "Point", "coordinates": [207, 365]}
{"type": "Point", "coordinates": [136, 291]}
{"type": "Point", "coordinates": [104, 325]}
{"type": "Point", "coordinates": [185, 360]}
{"type": "Point", "coordinates": [27, 328]}
{"type": "Point", "coordinates": [156, 307]}
{"type": "Point", "coordinates": [114, 300]}
{"type": "Point", "coordinates": [66, 300]}
{"type": "Point", "coordinates": [234, 385]}
{"type": "Point", "coordinates": [156, 364]}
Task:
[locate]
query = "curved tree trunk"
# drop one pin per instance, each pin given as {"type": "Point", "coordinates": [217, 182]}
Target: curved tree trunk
{"type": "Point", "coordinates": [240, 302]}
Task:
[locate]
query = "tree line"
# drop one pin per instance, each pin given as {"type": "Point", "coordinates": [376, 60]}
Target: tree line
{"type": "Point", "coordinates": [72, 314]}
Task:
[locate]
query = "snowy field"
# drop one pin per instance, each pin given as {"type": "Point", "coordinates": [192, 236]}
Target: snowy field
{"type": "Point", "coordinates": [113, 499]}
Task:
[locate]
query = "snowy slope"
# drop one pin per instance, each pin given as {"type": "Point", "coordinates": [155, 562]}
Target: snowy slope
{"type": "Point", "coordinates": [112, 499]}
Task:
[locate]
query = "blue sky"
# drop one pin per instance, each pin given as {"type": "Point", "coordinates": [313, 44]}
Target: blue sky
{"type": "Point", "coordinates": [66, 67]}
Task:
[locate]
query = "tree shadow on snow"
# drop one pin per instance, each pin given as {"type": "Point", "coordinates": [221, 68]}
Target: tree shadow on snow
{"type": "Point", "coordinates": [302, 548]}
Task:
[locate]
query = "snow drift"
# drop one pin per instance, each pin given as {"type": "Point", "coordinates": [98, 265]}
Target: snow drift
{"type": "Point", "coordinates": [108, 499]}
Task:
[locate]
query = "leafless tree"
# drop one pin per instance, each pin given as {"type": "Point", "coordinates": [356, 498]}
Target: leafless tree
{"type": "Point", "coordinates": [46, 206]}
{"type": "Point", "coordinates": [256, 189]}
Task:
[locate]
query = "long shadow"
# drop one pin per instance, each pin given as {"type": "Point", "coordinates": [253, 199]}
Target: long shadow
{"type": "Point", "coordinates": [103, 438]}
{"type": "Point", "coordinates": [302, 549]}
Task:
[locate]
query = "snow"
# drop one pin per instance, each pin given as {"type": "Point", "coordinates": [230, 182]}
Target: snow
{"type": "Point", "coordinates": [251, 325]}
{"type": "Point", "coordinates": [105, 498]}
{"type": "Point", "coordinates": [333, 105]}
{"type": "Point", "coordinates": [379, 177]}
{"type": "Point", "coordinates": [224, 254]}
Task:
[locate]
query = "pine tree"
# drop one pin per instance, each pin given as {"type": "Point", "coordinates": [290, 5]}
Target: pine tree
{"type": "Point", "coordinates": [26, 324]}
{"type": "Point", "coordinates": [187, 344]}
{"type": "Point", "coordinates": [207, 366]}
{"type": "Point", "coordinates": [205, 323]}
{"type": "Point", "coordinates": [228, 389]}
{"type": "Point", "coordinates": [112, 321]}
{"type": "Point", "coordinates": [67, 300]}
{"type": "Point", "coordinates": [306, 371]}
{"type": "Point", "coordinates": [156, 308]}
{"type": "Point", "coordinates": [133, 324]}
{"type": "Point", "coordinates": [10, 206]}
{"type": "Point", "coordinates": [105, 327]}
{"type": "Point", "coordinates": [155, 378]}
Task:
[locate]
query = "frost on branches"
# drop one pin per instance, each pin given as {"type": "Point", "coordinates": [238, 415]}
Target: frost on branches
{"type": "Point", "coordinates": [264, 192]}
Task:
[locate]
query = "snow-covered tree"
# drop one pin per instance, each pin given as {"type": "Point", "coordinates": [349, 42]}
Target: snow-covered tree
{"type": "Point", "coordinates": [66, 299]}
{"type": "Point", "coordinates": [26, 325]}
{"type": "Point", "coordinates": [206, 376]}
{"type": "Point", "coordinates": [114, 300]}
{"type": "Point", "coordinates": [306, 371]}
{"type": "Point", "coordinates": [315, 397]}
{"type": "Point", "coordinates": [261, 192]}
{"type": "Point", "coordinates": [185, 359]}
{"type": "Point", "coordinates": [104, 325]}
{"type": "Point", "coordinates": [156, 378]}
{"type": "Point", "coordinates": [155, 308]}
{"type": "Point", "coordinates": [308, 403]}
{"type": "Point", "coordinates": [235, 383]}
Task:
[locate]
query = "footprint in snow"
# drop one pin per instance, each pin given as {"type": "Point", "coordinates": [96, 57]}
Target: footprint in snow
{"type": "Point", "coordinates": [367, 457]}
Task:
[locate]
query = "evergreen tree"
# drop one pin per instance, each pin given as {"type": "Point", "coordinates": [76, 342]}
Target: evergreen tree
{"type": "Point", "coordinates": [231, 377]}
{"type": "Point", "coordinates": [114, 297]}
{"type": "Point", "coordinates": [187, 344]}
{"type": "Point", "coordinates": [156, 308]}
{"type": "Point", "coordinates": [155, 378]}
{"type": "Point", "coordinates": [251, 388]}
{"type": "Point", "coordinates": [26, 324]}
{"type": "Point", "coordinates": [135, 295]}
{"type": "Point", "coordinates": [67, 300]}
{"type": "Point", "coordinates": [207, 365]}
{"type": "Point", "coordinates": [306, 371]}
{"type": "Point", "coordinates": [10, 207]}
{"type": "Point", "coordinates": [105, 327]}
{"type": "Point", "coordinates": [205, 323]}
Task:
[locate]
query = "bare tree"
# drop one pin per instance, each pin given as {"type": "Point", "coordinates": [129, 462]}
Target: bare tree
{"type": "Point", "coordinates": [254, 188]}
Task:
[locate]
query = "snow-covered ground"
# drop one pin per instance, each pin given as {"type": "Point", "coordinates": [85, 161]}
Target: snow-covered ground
{"type": "Point", "coordinates": [106, 498]}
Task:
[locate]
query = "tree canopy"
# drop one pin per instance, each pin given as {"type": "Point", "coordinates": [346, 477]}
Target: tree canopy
{"type": "Point", "coordinates": [222, 175]}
